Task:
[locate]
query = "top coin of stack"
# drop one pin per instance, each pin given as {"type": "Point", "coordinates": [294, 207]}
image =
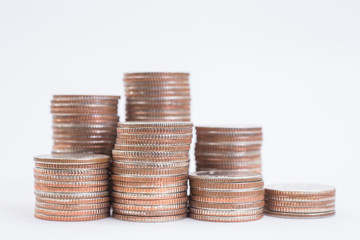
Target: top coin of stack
{"type": "Point", "coordinates": [226, 196]}
{"type": "Point", "coordinates": [229, 148]}
{"type": "Point", "coordinates": [158, 96]}
{"type": "Point", "coordinates": [300, 200]}
{"type": "Point", "coordinates": [84, 123]}
{"type": "Point", "coordinates": [72, 187]}
{"type": "Point", "coordinates": [149, 171]}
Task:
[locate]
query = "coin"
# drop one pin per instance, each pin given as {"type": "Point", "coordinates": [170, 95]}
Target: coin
{"type": "Point", "coordinates": [150, 190]}
{"type": "Point", "coordinates": [227, 212]}
{"type": "Point", "coordinates": [148, 196]}
{"type": "Point", "coordinates": [225, 219]}
{"type": "Point", "coordinates": [72, 207]}
{"type": "Point", "coordinates": [71, 218]}
{"type": "Point", "coordinates": [155, 213]}
{"type": "Point", "coordinates": [167, 207]}
{"type": "Point", "coordinates": [225, 176]}
{"type": "Point", "coordinates": [74, 158]}
{"type": "Point", "coordinates": [208, 205]}
{"type": "Point", "coordinates": [150, 202]}
{"type": "Point", "coordinates": [300, 189]}
{"type": "Point", "coordinates": [300, 215]}
{"type": "Point", "coordinates": [72, 201]}
{"type": "Point", "coordinates": [149, 219]}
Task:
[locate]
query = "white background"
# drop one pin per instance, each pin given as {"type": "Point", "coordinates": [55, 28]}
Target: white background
{"type": "Point", "coordinates": [291, 66]}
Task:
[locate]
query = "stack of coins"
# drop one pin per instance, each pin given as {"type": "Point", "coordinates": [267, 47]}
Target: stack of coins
{"type": "Point", "coordinates": [157, 97]}
{"type": "Point", "coordinates": [228, 148]}
{"type": "Point", "coordinates": [84, 123]}
{"type": "Point", "coordinates": [72, 187]}
{"type": "Point", "coordinates": [226, 196]}
{"type": "Point", "coordinates": [300, 200]}
{"type": "Point", "coordinates": [149, 171]}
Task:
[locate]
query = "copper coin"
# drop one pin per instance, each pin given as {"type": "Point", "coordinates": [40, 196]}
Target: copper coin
{"type": "Point", "coordinates": [227, 199]}
{"type": "Point", "coordinates": [144, 147]}
{"type": "Point", "coordinates": [51, 173]}
{"type": "Point", "coordinates": [150, 171]}
{"type": "Point", "coordinates": [148, 196]}
{"type": "Point", "coordinates": [141, 202]}
{"type": "Point", "coordinates": [252, 170]}
{"type": "Point", "coordinates": [71, 184]}
{"type": "Point", "coordinates": [71, 213]}
{"type": "Point", "coordinates": [76, 97]}
{"type": "Point", "coordinates": [72, 201]}
{"type": "Point", "coordinates": [154, 159]}
{"type": "Point", "coordinates": [149, 184]}
{"type": "Point", "coordinates": [149, 219]}
{"type": "Point", "coordinates": [153, 141]}
{"type": "Point", "coordinates": [207, 205]}
{"type": "Point", "coordinates": [137, 178]}
{"type": "Point", "coordinates": [167, 207]}
{"type": "Point", "coordinates": [150, 190]}
{"type": "Point", "coordinates": [71, 218]}
{"type": "Point", "coordinates": [150, 154]}
{"type": "Point", "coordinates": [300, 204]}
{"type": "Point", "coordinates": [71, 189]}
{"type": "Point", "coordinates": [216, 185]}
{"type": "Point", "coordinates": [219, 160]}
{"type": "Point", "coordinates": [155, 130]}
{"type": "Point", "coordinates": [222, 193]}
{"type": "Point", "coordinates": [140, 164]}
{"type": "Point", "coordinates": [72, 207]}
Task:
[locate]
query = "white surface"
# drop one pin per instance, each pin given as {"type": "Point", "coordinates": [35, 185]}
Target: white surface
{"type": "Point", "coordinates": [290, 66]}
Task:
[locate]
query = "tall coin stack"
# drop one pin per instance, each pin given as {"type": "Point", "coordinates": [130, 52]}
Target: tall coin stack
{"type": "Point", "coordinates": [158, 97]}
{"type": "Point", "coordinates": [149, 171]}
{"type": "Point", "coordinates": [300, 200]}
{"type": "Point", "coordinates": [228, 148]}
{"type": "Point", "coordinates": [84, 123]}
{"type": "Point", "coordinates": [72, 187]}
{"type": "Point", "coordinates": [226, 196]}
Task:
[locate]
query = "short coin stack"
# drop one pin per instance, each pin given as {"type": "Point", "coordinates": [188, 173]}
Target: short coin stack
{"type": "Point", "coordinates": [157, 97]}
{"type": "Point", "coordinates": [72, 187]}
{"type": "Point", "coordinates": [84, 123]}
{"type": "Point", "coordinates": [228, 148]}
{"type": "Point", "coordinates": [149, 171]}
{"type": "Point", "coordinates": [226, 196]}
{"type": "Point", "coordinates": [300, 200]}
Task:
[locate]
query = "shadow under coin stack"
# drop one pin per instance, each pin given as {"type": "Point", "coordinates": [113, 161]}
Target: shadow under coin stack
{"type": "Point", "coordinates": [149, 171]}
{"type": "Point", "coordinates": [228, 148]}
{"type": "Point", "coordinates": [226, 196]}
{"type": "Point", "coordinates": [72, 187]}
{"type": "Point", "coordinates": [300, 200]}
{"type": "Point", "coordinates": [158, 97]}
{"type": "Point", "coordinates": [84, 123]}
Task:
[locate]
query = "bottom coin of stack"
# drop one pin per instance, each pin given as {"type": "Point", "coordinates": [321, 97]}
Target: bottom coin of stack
{"type": "Point", "coordinates": [300, 200]}
{"type": "Point", "coordinates": [149, 171]}
{"type": "Point", "coordinates": [226, 196]}
{"type": "Point", "coordinates": [72, 187]}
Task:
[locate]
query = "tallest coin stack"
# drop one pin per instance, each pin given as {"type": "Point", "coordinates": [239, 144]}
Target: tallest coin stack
{"type": "Point", "coordinates": [149, 171]}
{"type": "Point", "coordinates": [158, 97]}
{"type": "Point", "coordinates": [84, 123]}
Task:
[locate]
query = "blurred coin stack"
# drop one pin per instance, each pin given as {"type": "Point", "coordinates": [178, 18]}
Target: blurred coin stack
{"type": "Point", "coordinates": [72, 187]}
{"type": "Point", "coordinates": [158, 97]}
{"type": "Point", "coordinates": [226, 196]}
{"type": "Point", "coordinates": [84, 123]}
{"type": "Point", "coordinates": [228, 148]}
{"type": "Point", "coordinates": [300, 200]}
{"type": "Point", "coordinates": [149, 171]}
